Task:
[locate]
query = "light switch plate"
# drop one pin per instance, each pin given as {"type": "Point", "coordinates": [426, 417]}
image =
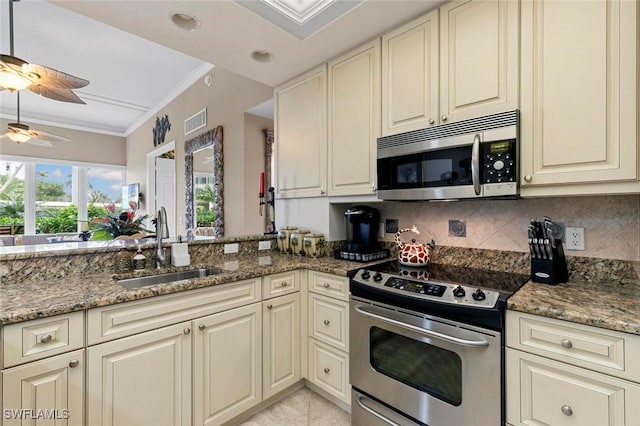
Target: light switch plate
{"type": "Point", "coordinates": [264, 245]}
{"type": "Point", "coordinates": [231, 248]}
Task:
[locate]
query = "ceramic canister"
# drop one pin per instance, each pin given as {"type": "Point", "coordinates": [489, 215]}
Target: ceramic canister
{"type": "Point", "coordinates": [297, 241]}
{"type": "Point", "coordinates": [284, 238]}
{"type": "Point", "coordinates": [314, 245]}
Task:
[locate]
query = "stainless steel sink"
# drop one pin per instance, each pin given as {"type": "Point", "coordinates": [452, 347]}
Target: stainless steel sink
{"type": "Point", "coordinates": [167, 278]}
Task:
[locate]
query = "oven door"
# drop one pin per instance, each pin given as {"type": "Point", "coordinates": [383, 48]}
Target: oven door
{"type": "Point", "coordinates": [436, 371]}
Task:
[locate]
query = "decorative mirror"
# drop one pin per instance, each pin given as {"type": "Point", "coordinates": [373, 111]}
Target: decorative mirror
{"type": "Point", "coordinates": [203, 166]}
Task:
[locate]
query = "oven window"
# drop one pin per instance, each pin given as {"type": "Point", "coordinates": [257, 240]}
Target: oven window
{"type": "Point", "coordinates": [420, 365]}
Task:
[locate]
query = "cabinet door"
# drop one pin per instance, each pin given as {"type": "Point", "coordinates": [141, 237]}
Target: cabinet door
{"type": "Point", "coordinates": [579, 94]}
{"type": "Point", "coordinates": [52, 387]}
{"type": "Point", "coordinates": [301, 135]}
{"type": "Point", "coordinates": [354, 120]}
{"type": "Point", "coordinates": [281, 344]}
{"type": "Point", "coordinates": [478, 58]}
{"type": "Point", "coordinates": [227, 364]}
{"type": "Point", "coordinates": [141, 380]}
{"type": "Point", "coordinates": [410, 76]}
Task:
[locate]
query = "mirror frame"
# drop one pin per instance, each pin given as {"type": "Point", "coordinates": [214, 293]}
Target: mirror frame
{"type": "Point", "coordinates": [212, 138]}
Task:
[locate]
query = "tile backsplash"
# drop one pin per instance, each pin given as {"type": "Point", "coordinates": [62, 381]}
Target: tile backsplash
{"type": "Point", "coordinates": [611, 223]}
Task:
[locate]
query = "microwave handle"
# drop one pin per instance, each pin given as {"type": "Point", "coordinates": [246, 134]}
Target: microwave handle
{"type": "Point", "coordinates": [475, 164]}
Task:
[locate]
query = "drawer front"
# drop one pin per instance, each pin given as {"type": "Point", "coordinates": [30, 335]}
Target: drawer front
{"type": "Point", "coordinates": [116, 321]}
{"type": "Point", "coordinates": [329, 321]}
{"type": "Point", "coordinates": [329, 369]}
{"type": "Point", "coordinates": [279, 284]}
{"type": "Point", "coordinates": [598, 349]}
{"type": "Point", "coordinates": [41, 338]}
{"type": "Point", "coordinates": [542, 391]}
{"type": "Point", "coordinates": [329, 285]}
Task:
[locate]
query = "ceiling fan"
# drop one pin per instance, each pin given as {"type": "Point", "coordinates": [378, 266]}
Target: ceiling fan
{"type": "Point", "coordinates": [17, 74]}
{"type": "Point", "coordinates": [21, 133]}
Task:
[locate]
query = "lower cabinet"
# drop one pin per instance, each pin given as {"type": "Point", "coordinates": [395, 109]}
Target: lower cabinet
{"type": "Point", "coordinates": [329, 369]}
{"type": "Point", "coordinates": [51, 388]}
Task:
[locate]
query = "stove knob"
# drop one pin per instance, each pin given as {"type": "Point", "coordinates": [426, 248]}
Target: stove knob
{"type": "Point", "coordinates": [479, 295]}
{"type": "Point", "coordinates": [366, 275]}
{"type": "Point", "coordinates": [377, 277]}
{"type": "Point", "coordinates": [458, 292]}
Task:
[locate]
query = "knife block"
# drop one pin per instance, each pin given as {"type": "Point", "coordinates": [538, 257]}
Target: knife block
{"type": "Point", "coordinates": [550, 271]}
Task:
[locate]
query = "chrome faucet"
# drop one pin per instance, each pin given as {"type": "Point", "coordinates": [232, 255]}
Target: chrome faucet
{"type": "Point", "coordinates": [162, 231]}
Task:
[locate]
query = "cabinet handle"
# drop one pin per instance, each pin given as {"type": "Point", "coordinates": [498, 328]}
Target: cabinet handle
{"type": "Point", "coordinates": [284, 283]}
{"type": "Point", "coordinates": [431, 120]}
{"type": "Point", "coordinates": [327, 370]}
{"type": "Point", "coordinates": [566, 343]}
{"type": "Point", "coordinates": [327, 322]}
{"type": "Point", "coordinates": [269, 306]}
{"type": "Point", "coordinates": [186, 330]}
{"type": "Point", "coordinates": [202, 327]}
{"type": "Point", "coordinates": [74, 363]}
{"type": "Point", "coordinates": [46, 339]}
{"type": "Point", "coordinates": [326, 285]}
{"type": "Point", "coordinates": [566, 410]}
{"type": "Point", "coordinates": [527, 178]}
{"type": "Point", "coordinates": [443, 117]}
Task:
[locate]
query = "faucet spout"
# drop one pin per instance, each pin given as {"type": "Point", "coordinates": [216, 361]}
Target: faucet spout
{"type": "Point", "coordinates": [162, 231]}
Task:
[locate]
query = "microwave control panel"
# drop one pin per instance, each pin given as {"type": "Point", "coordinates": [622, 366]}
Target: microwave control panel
{"type": "Point", "coordinates": [499, 161]}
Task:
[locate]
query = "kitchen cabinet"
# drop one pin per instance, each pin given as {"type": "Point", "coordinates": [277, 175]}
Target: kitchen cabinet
{"type": "Point", "coordinates": [561, 373]}
{"type": "Point", "coordinates": [579, 97]}
{"type": "Point", "coordinates": [54, 385]}
{"type": "Point", "coordinates": [354, 120]}
{"type": "Point", "coordinates": [454, 63]}
{"type": "Point", "coordinates": [301, 135]}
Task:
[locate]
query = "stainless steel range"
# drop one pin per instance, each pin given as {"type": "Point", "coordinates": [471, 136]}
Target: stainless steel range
{"type": "Point", "coordinates": [427, 345]}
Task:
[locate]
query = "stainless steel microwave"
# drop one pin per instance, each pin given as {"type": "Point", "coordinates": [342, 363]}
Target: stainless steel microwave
{"type": "Point", "coordinates": [474, 158]}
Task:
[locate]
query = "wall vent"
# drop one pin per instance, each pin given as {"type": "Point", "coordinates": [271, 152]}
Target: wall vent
{"type": "Point", "coordinates": [195, 122]}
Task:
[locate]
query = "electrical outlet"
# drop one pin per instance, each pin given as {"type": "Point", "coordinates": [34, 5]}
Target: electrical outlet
{"type": "Point", "coordinates": [574, 238]}
{"type": "Point", "coordinates": [231, 248]}
{"type": "Point", "coordinates": [264, 245]}
{"type": "Point", "coordinates": [391, 226]}
{"type": "Point", "coordinates": [381, 230]}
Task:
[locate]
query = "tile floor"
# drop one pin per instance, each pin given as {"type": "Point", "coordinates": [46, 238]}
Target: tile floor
{"type": "Point", "coordinates": [301, 408]}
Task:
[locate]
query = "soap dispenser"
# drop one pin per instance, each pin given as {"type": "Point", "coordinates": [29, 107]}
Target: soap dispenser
{"type": "Point", "coordinates": [180, 253]}
{"type": "Point", "coordinates": [139, 261]}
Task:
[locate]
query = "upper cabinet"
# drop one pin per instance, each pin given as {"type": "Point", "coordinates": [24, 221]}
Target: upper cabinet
{"type": "Point", "coordinates": [579, 97]}
{"type": "Point", "coordinates": [458, 62]}
{"type": "Point", "coordinates": [354, 120]}
{"type": "Point", "coordinates": [301, 135]}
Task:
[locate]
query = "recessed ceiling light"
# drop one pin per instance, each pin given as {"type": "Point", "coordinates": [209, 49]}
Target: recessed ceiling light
{"type": "Point", "coordinates": [261, 56]}
{"type": "Point", "coordinates": [185, 21]}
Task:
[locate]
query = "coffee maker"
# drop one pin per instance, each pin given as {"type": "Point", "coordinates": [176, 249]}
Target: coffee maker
{"type": "Point", "coordinates": [362, 224]}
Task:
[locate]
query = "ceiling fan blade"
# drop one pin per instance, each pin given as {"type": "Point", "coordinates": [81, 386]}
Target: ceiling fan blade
{"type": "Point", "coordinates": [56, 93]}
{"type": "Point", "coordinates": [47, 137]}
{"type": "Point", "coordinates": [40, 142]}
{"type": "Point", "coordinates": [50, 77]}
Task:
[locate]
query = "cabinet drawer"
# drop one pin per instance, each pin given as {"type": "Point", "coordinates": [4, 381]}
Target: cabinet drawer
{"type": "Point", "coordinates": [590, 347]}
{"type": "Point", "coordinates": [279, 284]}
{"type": "Point", "coordinates": [329, 321]}
{"type": "Point", "coordinates": [329, 369]}
{"type": "Point", "coordinates": [329, 285]}
{"type": "Point", "coordinates": [115, 321]}
{"type": "Point", "coordinates": [546, 392]}
{"type": "Point", "coordinates": [37, 339]}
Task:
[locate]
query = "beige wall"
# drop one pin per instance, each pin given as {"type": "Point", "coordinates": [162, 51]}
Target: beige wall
{"type": "Point", "coordinates": [254, 151]}
{"type": "Point", "coordinates": [84, 146]}
{"type": "Point", "coordinates": [226, 100]}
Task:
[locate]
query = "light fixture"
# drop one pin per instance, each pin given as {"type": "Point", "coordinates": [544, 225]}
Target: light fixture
{"type": "Point", "coordinates": [185, 21]}
{"type": "Point", "coordinates": [11, 75]}
{"type": "Point", "coordinates": [18, 133]}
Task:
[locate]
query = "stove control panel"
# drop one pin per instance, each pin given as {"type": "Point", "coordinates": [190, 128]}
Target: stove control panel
{"type": "Point", "coordinates": [429, 290]}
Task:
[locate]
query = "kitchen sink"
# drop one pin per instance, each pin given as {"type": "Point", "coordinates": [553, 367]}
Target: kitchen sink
{"type": "Point", "coordinates": [167, 278]}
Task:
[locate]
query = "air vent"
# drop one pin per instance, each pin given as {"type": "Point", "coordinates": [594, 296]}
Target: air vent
{"type": "Point", "coordinates": [195, 122]}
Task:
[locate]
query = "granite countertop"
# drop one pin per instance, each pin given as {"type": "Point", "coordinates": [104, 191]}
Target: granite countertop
{"type": "Point", "coordinates": [30, 300]}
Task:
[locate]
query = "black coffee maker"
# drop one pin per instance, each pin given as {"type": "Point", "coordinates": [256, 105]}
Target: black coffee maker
{"type": "Point", "coordinates": [362, 224]}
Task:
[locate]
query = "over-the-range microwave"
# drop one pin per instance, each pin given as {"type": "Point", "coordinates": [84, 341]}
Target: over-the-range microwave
{"type": "Point", "coordinates": [474, 158]}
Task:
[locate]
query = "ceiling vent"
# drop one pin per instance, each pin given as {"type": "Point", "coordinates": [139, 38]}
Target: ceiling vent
{"type": "Point", "coordinates": [195, 122]}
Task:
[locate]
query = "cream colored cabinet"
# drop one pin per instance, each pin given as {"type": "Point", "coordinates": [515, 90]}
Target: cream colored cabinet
{"type": "Point", "coordinates": [227, 370]}
{"type": "Point", "coordinates": [458, 62]}
{"type": "Point", "coordinates": [45, 391]}
{"type": "Point", "coordinates": [579, 97]}
{"type": "Point", "coordinates": [281, 343]}
{"type": "Point", "coordinates": [560, 373]}
{"type": "Point", "coordinates": [354, 120]}
{"type": "Point", "coordinates": [141, 380]}
{"type": "Point", "coordinates": [301, 135]}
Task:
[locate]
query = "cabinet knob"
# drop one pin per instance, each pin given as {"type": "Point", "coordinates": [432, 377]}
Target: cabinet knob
{"type": "Point", "coordinates": [284, 283]}
{"type": "Point", "coordinates": [327, 370]}
{"type": "Point", "coordinates": [373, 188]}
{"type": "Point", "coordinates": [566, 343]}
{"type": "Point", "coordinates": [269, 306]}
{"type": "Point", "coordinates": [326, 285]}
{"type": "Point", "coordinates": [443, 117]}
{"type": "Point", "coordinates": [46, 339]}
{"type": "Point", "coordinates": [566, 410]}
{"type": "Point", "coordinates": [321, 191]}
{"type": "Point", "coordinates": [527, 178]}
{"type": "Point", "coordinates": [74, 363]}
{"type": "Point", "coordinates": [202, 327]}
{"type": "Point", "coordinates": [327, 322]}
{"type": "Point", "coordinates": [431, 120]}
{"type": "Point", "coordinates": [186, 330]}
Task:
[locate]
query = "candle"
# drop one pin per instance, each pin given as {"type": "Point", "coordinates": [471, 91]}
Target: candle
{"type": "Point", "coordinates": [262, 186]}
{"type": "Point", "coordinates": [84, 226]}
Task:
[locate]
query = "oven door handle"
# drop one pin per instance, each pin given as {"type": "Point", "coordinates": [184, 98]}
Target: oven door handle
{"type": "Point", "coordinates": [436, 335]}
{"type": "Point", "coordinates": [475, 164]}
{"type": "Point", "coordinates": [360, 401]}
